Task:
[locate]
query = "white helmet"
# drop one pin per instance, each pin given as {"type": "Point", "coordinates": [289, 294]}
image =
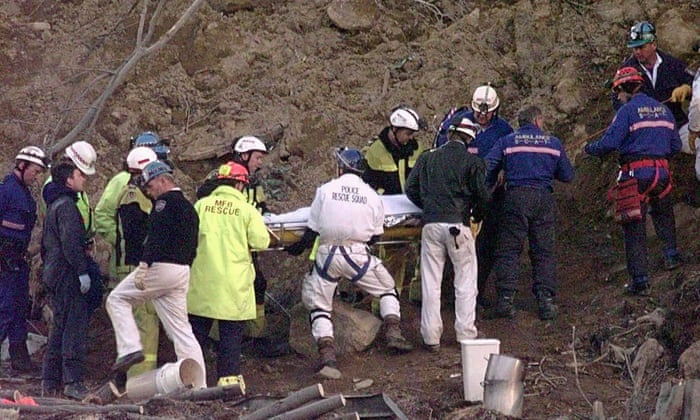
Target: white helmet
{"type": "Point", "coordinates": [466, 126]}
{"type": "Point", "coordinates": [405, 118]}
{"type": "Point", "coordinates": [249, 144]}
{"type": "Point", "coordinates": [485, 99]}
{"type": "Point", "coordinates": [32, 154]}
{"type": "Point", "coordinates": [83, 156]}
{"type": "Point", "coordinates": [139, 157]}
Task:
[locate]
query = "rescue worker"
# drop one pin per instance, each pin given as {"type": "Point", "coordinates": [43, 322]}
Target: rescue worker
{"type": "Point", "coordinates": [694, 119]}
{"type": "Point", "coordinates": [491, 127]}
{"type": "Point", "coordinates": [531, 160]}
{"type": "Point", "coordinates": [105, 222]}
{"type": "Point", "coordinates": [67, 278]}
{"type": "Point", "coordinates": [17, 219]}
{"type": "Point", "coordinates": [83, 155]}
{"type": "Point", "coordinates": [448, 183]}
{"type": "Point", "coordinates": [390, 157]}
{"type": "Point", "coordinates": [162, 275]}
{"type": "Point", "coordinates": [250, 151]}
{"type": "Point", "coordinates": [664, 77]}
{"type": "Point", "coordinates": [343, 254]}
{"type": "Point", "coordinates": [120, 218]}
{"type": "Point", "coordinates": [644, 134]}
{"type": "Point", "coordinates": [221, 283]}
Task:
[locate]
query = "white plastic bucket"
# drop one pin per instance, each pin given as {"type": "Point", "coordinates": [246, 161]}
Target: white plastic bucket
{"type": "Point", "coordinates": [170, 377]}
{"type": "Point", "coordinates": [475, 359]}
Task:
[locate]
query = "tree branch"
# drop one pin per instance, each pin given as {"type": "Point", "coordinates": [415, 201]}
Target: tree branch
{"type": "Point", "coordinates": [91, 115]}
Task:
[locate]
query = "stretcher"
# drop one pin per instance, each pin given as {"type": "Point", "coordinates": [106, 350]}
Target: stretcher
{"type": "Point", "coordinates": [402, 223]}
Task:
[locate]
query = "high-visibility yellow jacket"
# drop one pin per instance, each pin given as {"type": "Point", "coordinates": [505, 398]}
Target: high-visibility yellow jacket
{"type": "Point", "coordinates": [105, 212]}
{"type": "Point", "coordinates": [389, 165]}
{"type": "Point", "coordinates": [222, 274]}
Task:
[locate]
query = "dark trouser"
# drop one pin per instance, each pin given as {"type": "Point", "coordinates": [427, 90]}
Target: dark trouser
{"type": "Point", "coordinates": [64, 361]}
{"type": "Point", "coordinates": [228, 360]}
{"type": "Point", "coordinates": [260, 283]}
{"type": "Point", "coordinates": [635, 234]}
{"type": "Point", "coordinates": [488, 238]}
{"type": "Point", "coordinates": [527, 213]}
{"type": "Point", "coordinates": [14, 301]}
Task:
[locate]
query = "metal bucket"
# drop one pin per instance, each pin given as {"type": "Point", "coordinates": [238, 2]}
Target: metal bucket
{"type": "Point", "coordinates": [503, 385]}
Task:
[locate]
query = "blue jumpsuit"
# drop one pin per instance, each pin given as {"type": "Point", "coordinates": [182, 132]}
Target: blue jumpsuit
{"type": "Point", "coordinates": [17, 218]}
{"type": "Point", "coordinates": [644, 134]}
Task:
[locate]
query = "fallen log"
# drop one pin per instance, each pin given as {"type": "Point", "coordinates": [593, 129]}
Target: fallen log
{"type": "Point", "coordinates": [293, 401]}
{"type": "Point", "coordinates": [312, 410]}
{"type": "Point", "coordinates": [224, 393]}
{"type": "Point", "coordinates": [75, 408]}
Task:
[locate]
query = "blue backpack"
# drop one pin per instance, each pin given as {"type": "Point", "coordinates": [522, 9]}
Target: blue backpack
{"type": "Point", "coordinates": [454, 114]}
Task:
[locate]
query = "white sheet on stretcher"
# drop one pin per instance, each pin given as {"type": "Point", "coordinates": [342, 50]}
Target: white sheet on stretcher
{"type": "Point", "coordinates": [397, 208]}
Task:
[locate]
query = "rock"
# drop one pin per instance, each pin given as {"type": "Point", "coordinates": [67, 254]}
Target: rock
{"type": "Point", "coordinates": [676, 36]}
{"type": "Point", "coordinates": [567, 93]}
{"type": "Point", "coordinates": [362, 384]}
{"type": "Point", "coordinates": [39, 26]}
{"type": "Point", "coordinates": [353, 15]}
{"type": "Point", "coordinates": [689, 362]}
{"type": "Point", "coordinates": [658, 317]}
{"type": "Point", "coordinates": [649, 352]}
{"type": "Point", "coordinates": [354, 329]}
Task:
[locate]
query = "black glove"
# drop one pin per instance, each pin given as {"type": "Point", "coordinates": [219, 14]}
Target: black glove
{"type": "Point", "coordinates": [306, 241]}
{"type": "Point", "coordinates": [373, 240]}
{"type": "Point", "coordinates": [296, 248]}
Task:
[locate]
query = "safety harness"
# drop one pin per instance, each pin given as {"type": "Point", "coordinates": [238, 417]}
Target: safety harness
{"type": "Point", "coordinates": [651, 163]}
{"type": "Point", "coordinates": [359, 270]}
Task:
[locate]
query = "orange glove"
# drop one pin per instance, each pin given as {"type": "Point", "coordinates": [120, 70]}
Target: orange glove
{"type": "Point", "coordinates": [681, 93]}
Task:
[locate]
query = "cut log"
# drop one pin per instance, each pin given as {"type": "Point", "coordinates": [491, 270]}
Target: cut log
{"type": "Point", "coordinates": [293, 401]}
{"type": "Point", "coordinates": [313, 410]}
{"type": "Point", "coordinates": [224, 393]}
{"type": "Point", "coordinates": [76, 408]}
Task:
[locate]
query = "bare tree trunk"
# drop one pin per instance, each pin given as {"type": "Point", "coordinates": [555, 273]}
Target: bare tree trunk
{"type": "Point", "coordinates": [141, 50]}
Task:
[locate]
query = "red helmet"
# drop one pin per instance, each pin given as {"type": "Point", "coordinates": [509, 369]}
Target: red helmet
{"type": "Point", "coordinates": [234, 171]}
{"type": "Point", "coordinates": [626, 75]}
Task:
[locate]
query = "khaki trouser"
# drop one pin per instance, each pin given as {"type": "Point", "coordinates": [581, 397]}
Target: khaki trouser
{"type": "Point", "coordinates": [166, 287]}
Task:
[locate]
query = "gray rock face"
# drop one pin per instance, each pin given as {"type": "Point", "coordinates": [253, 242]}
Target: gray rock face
{"type": "Point", "coordinates": [689, 362]}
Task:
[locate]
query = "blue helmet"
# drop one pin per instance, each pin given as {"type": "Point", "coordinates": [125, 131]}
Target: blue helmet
{"type": "Point", "coordinates": [151, 140]}
{"type": "Point", "coordinates": [641, 33]}
{"type": "Point", "coordinates": [153, 170]}
{"type": "Point", "coordinates": [350, 160]}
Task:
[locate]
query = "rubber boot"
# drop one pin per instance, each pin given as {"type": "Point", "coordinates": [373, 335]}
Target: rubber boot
{"type": "Point", "coordinates": [329, 365]}
{"type": "Point", "coordinates": [546, 308]}
{"type": "Point", "coordinates": [394, 339]}
{"type": "Point", "coordinates": [20, 360]}
{"type": "Point", "coordinates": [505, 308]}
{"type": "Point", "coordinates": [256, 327]}
{"type": "Point", "coordinates": [231, 381]}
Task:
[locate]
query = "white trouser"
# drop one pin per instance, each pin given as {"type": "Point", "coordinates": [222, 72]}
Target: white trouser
{"type": "Point", "coordinates": [683, 132]}
{"type": "Point", "coordinates": [317, 292]}
{"type": "Point", "coordinates": [166, 286]}
{"type": "Point", "coordinates": [437, 244]}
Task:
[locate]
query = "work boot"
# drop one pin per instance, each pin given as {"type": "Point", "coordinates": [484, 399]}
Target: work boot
{"type": "Point", "coordinates": [76, 391]}
{"type": "Point", "coordinates": [231, 381]}
{"type": "Point", "coordinates": [505, 308]}
{"type": "Point", "coordinates": [329, 365]}
{"type": "Point", "coordinates": [20, 360]}
{"type": "Point", "coordinates": [546, 308]}
{"type": "Point", "coordinates": [394, 339]}
{"type": "Point", "coordinates": [638, 289]}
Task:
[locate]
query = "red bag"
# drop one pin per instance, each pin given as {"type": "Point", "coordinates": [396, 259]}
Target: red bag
{"type": "Point", "coordinates": [628, 201]}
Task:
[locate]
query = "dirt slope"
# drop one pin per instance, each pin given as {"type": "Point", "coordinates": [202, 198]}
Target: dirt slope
{"type": "Point", "coordinates": [284, 71]}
